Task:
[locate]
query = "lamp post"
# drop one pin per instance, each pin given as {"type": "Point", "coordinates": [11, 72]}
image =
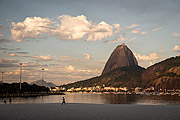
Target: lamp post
{"type": "Point", "coordinates": [2, 76]}
{"type": "Point", "coordinates": [42, 77]}
{"type": "Point", "coordinates": [20, 74]}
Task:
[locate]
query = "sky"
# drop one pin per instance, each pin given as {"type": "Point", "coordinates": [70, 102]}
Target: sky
{"type": "Point", "coordinates": [72, 39]}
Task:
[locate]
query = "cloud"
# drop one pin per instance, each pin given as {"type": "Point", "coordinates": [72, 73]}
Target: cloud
{"type": "Point", "coordinates": [132, 26]}
{"type": "Point", "coordinates": [1, 27]}
{"type": "Point", "coordinates": [176, 48]}
{"type": "Point", "coordinates": [117, 39]}
{"type": "Point", "coordinates": [22, 52]}
{"type": "Point", "coordinates": [131, 39]}
{"type": "Point", "coordinates": [43, 58]}
{"type": "Point", "coordinates": [102, 61]}
{"type": "Point", "coordinates": [70, 68]}
{"type": "Point", "coordinates": [2, 40]}
{"type": "Point", "coordinates": [102, 31]}
{"type": "Point", "coordinates": [87, 56]}
{"type": "Point", "coordinates": [39, 58]}
{"type": "Point", "coordinates": [64, 60]}
{"type": "Point", "coordinates": [1, 34]}
{"type": "Point", "coordinates": [9, 49]}
{"type": "Point", "coordinates": [143, 33]}
{"type": "Point", "coordinates": [135, 30]}
{"type": "Point", "coordinates": [176, 34]}
{"type": "Point", "coordinates": [31, 27]}
{"type": "Point", "coordinates": [150, 57]}
{"type": "Point", "coordinates": [157, 29]}
{"type": "Point", "coordinates": [69, 28]}
{"type": "Point", "coordinates": [8, 62]}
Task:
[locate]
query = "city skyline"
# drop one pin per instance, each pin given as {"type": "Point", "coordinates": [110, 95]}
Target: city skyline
{"type": "Point", "coordinates": [72, 40]}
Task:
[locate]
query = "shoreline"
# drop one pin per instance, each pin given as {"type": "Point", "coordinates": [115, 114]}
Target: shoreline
{"type": "Point", "coordinates": [29, 95]}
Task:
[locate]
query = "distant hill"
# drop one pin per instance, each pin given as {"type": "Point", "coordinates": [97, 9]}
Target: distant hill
{"type": "Point", "coordinates": [44, 83]}
{"type": "Point", "coordinates": [163, 75]}
{"type": "Point", "coordinates": [129, 77]}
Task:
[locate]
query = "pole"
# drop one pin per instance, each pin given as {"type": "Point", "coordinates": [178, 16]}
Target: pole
{"type": "Point", "coordinates": [20, 74]}
{"type": "Point", "coordinates": [42, 77]}
{"type": "Point", "coordinates": [2, 77]}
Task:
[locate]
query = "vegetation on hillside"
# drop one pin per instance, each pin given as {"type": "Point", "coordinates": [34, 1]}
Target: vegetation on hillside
{"type": "Point", "coordinates": [122, 77]}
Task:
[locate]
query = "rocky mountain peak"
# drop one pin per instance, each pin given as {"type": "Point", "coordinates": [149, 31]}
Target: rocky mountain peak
{"type": "Point", "coordinates": [121, 56]}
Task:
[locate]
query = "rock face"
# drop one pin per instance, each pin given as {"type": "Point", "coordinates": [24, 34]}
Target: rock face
{"type": "Point", "coordinates": [122, 56]}
{"type": "Point", "coordinates": [163, 75]}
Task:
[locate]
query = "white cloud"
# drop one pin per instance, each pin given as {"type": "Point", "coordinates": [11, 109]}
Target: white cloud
{"type": "Point", "coordinates": [176, 48]}
{"type": "Point", "coordinates": [72, 28]}
{"type": "Point", "coordinates": [133, 38]}
{"type": "Point", "coordinates": [69, 28]}
{"type": "Point", "coordinates": [135, 30]}
{"type": "Point", "coordinates": [31, 27]}
{"type": "Point", "coordinates": [132, 26]}
{"type": "Point", "coordinates": [70, 68]}
{"type": "Point", "coordinates": [87, 56]}
{"type": "Point", "coordinates": [43, 58]}
{"type": "Point", "coordinates": [101, 31]}
{"type": "Point", "coordinates": [156, 29]}
{"type": "Point", "coordinates": [118, 39]}
{"type": "Point", "coordinates": [176, 34]}
{"type": "Point", "coordinates": [150, 57]}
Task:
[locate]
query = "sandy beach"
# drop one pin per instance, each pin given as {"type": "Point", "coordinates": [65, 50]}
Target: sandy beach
{"type": "Point", "coordinates": [72, 111]}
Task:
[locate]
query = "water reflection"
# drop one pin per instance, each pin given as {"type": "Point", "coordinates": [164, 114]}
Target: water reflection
{"type": "Point", "coordinates": [101, 98]}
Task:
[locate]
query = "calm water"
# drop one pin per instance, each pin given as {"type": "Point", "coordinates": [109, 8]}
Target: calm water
{"type": "Point", "coordinates": [101, 98]}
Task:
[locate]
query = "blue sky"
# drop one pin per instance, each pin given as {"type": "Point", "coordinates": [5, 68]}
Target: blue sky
{"type": "Point", "coordinates": [72, 39]}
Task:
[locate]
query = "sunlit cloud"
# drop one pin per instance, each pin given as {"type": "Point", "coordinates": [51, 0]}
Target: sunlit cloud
{"type": "Point", "coordinates": [135, 30]}
{"type": "Point", "coordinates": [70, 68]}
{"type": "Point", "coordinates": [87, 56]}
{"type": "Point", "coordinates": [132, 26]}
{"type": "Point", "coordinates": [1, 34]}
{"type": "Point", "coordinates": [176, 48]}
{"type": "Point", "coordinates": [39, 58]}
{"type": "Point", "coordinates": [157, 29]}
{"type": "Point", "coordinates": [117, 39]}
{"type": "Point", "coordinates": [131, 39]}
{"type": "Point", "coordinates": [150, 57]}
{"type": "Point", "coordinates": [176, 34]}
{"type": "Point", "coordinates": [143, 33]}
{"type": "Point", "coordinates": [31, 27]}
{"type": "Point", "coordinates": [69, 28]}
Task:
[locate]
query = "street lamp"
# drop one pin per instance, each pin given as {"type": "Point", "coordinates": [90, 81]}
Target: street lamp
{"type": "Point", "coordinates": [42, 77]}
{"type": "Point", "coordinates": [20, 74]}
{"type": "Point", "coordinates": [2, 77]}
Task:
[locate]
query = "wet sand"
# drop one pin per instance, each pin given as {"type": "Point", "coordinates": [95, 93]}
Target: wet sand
{"type": "Point", "coordinates": [54, 111]}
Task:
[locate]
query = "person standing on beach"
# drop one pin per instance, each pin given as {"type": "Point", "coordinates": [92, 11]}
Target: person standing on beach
{"type": "Point", "coordinates": [10, 100]}
{"type": "Point", "coordinates": [63, 101]}
{"type": "Point", "coordinates": [4, 100]}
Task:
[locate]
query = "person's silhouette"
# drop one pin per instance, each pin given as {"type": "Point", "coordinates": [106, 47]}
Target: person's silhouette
{"type": "Point", "coordinates": [63, 101]}
{"type": "Point", "coordinates": [4, 100]}
{"type": "Point", "coordinates": [10, 100]}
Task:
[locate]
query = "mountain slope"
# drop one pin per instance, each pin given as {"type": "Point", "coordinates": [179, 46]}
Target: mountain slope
{"type": "Point", "coordinates": [129, 77]}
{"type": "Point", "coordinates": [121, 56]}
{"type": "Point", "coordinates": [163, 75]}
